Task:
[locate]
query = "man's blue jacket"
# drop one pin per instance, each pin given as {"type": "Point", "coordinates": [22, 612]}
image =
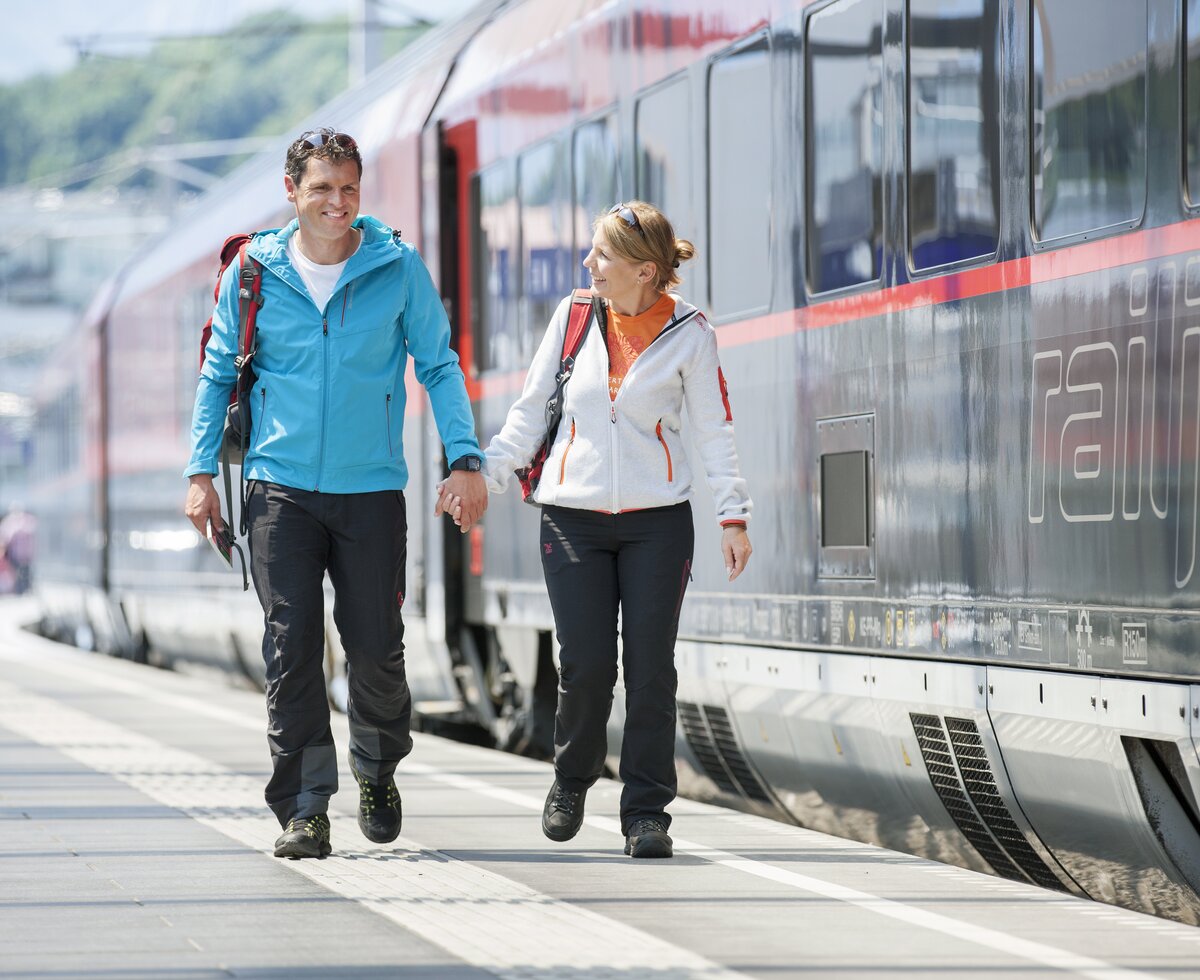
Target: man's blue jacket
{"type": "Point", "coordinates": [327, 409]}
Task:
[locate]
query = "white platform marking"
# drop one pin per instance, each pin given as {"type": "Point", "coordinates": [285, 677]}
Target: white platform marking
{"type": "Point", "coordinates": [482, 918]}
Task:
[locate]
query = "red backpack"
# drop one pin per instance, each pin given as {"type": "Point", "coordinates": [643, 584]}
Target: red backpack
{"type": "Point", "coordinates": [237, 418]}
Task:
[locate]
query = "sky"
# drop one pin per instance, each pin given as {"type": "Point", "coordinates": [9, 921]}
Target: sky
{"type": "Point", "coordinates": [41, 37]}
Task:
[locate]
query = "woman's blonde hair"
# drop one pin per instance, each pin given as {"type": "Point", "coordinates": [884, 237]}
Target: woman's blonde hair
{"type": "Point", "coordinates": [650, 238]}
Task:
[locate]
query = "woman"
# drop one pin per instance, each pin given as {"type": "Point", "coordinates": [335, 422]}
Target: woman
{"type": "Point", "coordinates": [616, 525]}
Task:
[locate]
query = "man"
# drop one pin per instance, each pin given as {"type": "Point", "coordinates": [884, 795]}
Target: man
{"type": "Point", "coordinates": [345, 303]}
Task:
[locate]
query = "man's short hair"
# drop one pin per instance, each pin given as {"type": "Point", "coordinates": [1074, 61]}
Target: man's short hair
{"type": "Point", "coordinates": [321, 144]}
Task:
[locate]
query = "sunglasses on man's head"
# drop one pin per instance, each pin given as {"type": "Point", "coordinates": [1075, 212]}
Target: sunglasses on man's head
{"type": "Point", "coordinates": [319, 137]}
{"type": "Point", "coordinates": [629, 216]}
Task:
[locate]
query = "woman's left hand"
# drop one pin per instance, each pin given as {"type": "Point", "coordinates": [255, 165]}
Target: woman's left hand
{"type": "Point", "coordinates": [735, 546]}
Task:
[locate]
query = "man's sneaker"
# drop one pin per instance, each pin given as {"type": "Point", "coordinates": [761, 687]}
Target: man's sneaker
{"type": "Point", "coordinates": [562, 816]}
{"type": "Point", "coordinates": [305, 837]}
{"type": "Point", "coordinates": [648, 838]}
{"type": "Point", "coordinates": [379, 811]}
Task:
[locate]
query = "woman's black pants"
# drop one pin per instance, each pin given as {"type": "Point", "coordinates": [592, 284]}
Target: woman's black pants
{"type": "Point", "coordinates": [595, 563]}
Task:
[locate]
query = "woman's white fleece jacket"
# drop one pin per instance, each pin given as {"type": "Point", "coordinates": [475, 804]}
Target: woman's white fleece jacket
{"type": "Point", "coordinates": [621, 454]}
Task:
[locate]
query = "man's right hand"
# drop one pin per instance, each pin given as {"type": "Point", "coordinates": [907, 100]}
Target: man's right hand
{"type": "Point", "coordinates": [203, 504]}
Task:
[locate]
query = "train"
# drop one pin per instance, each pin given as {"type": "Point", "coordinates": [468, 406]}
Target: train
{"type": "Point", "coordinates": [951, 251]}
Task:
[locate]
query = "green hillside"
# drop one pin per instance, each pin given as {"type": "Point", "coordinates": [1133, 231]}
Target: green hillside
{"type": "Point", "coordinates": [258, 79]}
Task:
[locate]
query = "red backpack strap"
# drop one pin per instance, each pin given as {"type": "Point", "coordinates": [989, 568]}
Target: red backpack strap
{"type": "Point", "coordinates": [581, 315]}
{"type": "Point", "coordinates": [249, 300]}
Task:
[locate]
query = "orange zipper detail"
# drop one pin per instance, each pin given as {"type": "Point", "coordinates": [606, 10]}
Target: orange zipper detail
{"type": "Point", "coordinates": [670, 472]}
{"type": "Point", "coordinates": [562, 467]}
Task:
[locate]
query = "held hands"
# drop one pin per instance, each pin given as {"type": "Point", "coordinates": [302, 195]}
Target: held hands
{"type": "Point", "coordinates": [463, 496]}
{"type": "Point", "coordinates": [735, 546]}
{"type": "Point", "coordinates": [203, 504]}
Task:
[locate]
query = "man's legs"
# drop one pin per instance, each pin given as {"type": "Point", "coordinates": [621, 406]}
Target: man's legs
{"type": "Point", "coordinates": [288, 551]}
{"type": "Point", "coordinates": [366, 566]}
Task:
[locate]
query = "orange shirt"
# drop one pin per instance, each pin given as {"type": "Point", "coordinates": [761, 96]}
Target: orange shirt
{"type": "Point", "coordinates": [628, 336]}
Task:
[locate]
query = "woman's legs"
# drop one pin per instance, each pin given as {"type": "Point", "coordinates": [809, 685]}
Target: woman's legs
{"type": "Point", "coordinates": [653, 567]}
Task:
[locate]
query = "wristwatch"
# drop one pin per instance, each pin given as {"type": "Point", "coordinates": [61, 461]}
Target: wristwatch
{"type": "Point", "coordinates": [472, 464]}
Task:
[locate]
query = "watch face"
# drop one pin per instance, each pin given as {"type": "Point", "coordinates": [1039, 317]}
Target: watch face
{"type": "Point", "coordinates": [473, 464]}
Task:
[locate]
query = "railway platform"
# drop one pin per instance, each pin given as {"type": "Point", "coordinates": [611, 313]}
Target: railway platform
{"type": "Point", "coordinates": [134, 842]}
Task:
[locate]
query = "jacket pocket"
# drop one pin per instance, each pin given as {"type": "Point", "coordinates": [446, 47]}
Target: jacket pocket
{"type": "Point", "coordinates": [387, 419]}
{"type": "Point", "coordinates": [254, 438]}
{"type": "Point", "coordinates": [670, 471]}
{"type": "Point", "coordinates": [562, 466]}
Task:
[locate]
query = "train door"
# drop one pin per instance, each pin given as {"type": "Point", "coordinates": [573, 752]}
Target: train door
{"type": "Point", "coordinates": [471, 646]}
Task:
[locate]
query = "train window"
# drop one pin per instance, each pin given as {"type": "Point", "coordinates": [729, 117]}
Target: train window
{"type": "Point", "coordinates": [844, 144]}
{"type": "Point", "coordinates": [1191, 100]}
{"type": "Point", "coordinates": [846, 450]}
{"type": "Point", "coordinates": [844, 500]}
{"type": "Point", "coordinates": [497, 273]}
{"type": "Point", "coordinates": [953, 131]}
{"type": "Point", "coordinates": [597, 184]}
{"type": "Point", "coordinates": [545, 191]}
{"type": "Point", "coordinates": [664, 153]}
{"type": "Point", "coordinates": [1088, 115]}
{"type": "Point", "coordinates": [739, 180]}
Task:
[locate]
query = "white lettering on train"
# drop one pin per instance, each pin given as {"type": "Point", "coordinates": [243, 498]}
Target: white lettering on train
{"type": "Point", "coordinates": [1105, 444]}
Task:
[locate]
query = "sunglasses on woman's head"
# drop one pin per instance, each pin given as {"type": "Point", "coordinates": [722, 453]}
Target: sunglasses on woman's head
{"type": "Point", "coordinates": [629, 216]}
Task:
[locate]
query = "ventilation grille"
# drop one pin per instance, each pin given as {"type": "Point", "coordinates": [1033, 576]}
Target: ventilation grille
{"type": "Point", "coordinates": [711, 738]}
{"type": "Point", "coordinates": [935, 750]}
{"type": "Point", "coordinates": [981, 786]}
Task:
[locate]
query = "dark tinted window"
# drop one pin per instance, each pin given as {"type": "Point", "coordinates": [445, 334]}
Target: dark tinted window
{"type": "Point", "coordinates": [545, 239]}
{"type": "Point", "coordinates": [739, 204]}
{"type": "Point", "coordinates": [844, 135]}
{"type": "Point", "coordinates": [954, 132]}
{"type": "Point", "coordinates": [664, 154]}
{"type": "Point", "coordinates": [1089, 114]}
{"type": "Point", "coordinates": [844, 496]}
{"type": "Point", "coordinates": [497, 270]}
{"type": "Point", "coordinates": [1192, 100]}
{"type": "Point", "coordinates": [597, 184]}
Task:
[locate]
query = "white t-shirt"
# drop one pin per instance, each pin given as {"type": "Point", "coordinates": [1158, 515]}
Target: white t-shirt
{"type": "Point", "coordinates": [320, 279]}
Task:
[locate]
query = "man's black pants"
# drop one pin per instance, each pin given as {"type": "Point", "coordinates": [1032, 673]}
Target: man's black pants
{"type": "Point", "coordinates": [360, 539]}
{"type": "Point", "coordinates": [640, 561]}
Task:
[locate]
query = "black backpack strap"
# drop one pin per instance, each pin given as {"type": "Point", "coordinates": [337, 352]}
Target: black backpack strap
{"type": "Point", "coordinates": [250, 300]}
{"type": "Point", "coordinates": [229, 505]}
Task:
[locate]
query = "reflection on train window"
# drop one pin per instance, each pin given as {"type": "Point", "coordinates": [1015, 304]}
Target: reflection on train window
{"type": "Point", "coordinates": [545, 192]}
{"type": "Point", "coordinates": [844, 142]}
{"type": "Point", "coordinates": [497, 272]}
{"type": "Point", "coordinates": [58, 425]}
{"type": "Point", "coordinates": [664, 154]}
{"type": "Point", "coordinates": [1191, 98]}
{"type": "Point", "coordinates": [739, 180]}
{"type": "Point", "coordinates": [954, 130]}
{"type": "Point", "coordinates": [1088, 115]}
{"type": "Point", "coordinates": [597, 184]}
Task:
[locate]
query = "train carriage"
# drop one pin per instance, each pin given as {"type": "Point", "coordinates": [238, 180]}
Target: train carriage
{"type": "Point", "coordinates": [950, 251]}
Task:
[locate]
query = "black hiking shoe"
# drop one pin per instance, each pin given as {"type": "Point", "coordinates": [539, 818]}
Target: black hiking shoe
{"type": "Point", "coordinates": [648, 838]}
{"type": "Point", "coordinates": [379, 812]}
{"type": "Point", "coordinates": [305, 837]}
{"type": "Point", "coordinates": [562, 816]}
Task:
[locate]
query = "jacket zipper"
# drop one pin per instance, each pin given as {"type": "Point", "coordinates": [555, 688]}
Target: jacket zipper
{"type": "Point", "coordinates": [612, 408]}
{"type": "Point", "coordinates": [658, 432]}
{"type": "Point", "coordinates": [387, 410]}
{"type": "Point", "coordinates": [324, 396]}
{"type": "Point", "coordinates": [562, 466]}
